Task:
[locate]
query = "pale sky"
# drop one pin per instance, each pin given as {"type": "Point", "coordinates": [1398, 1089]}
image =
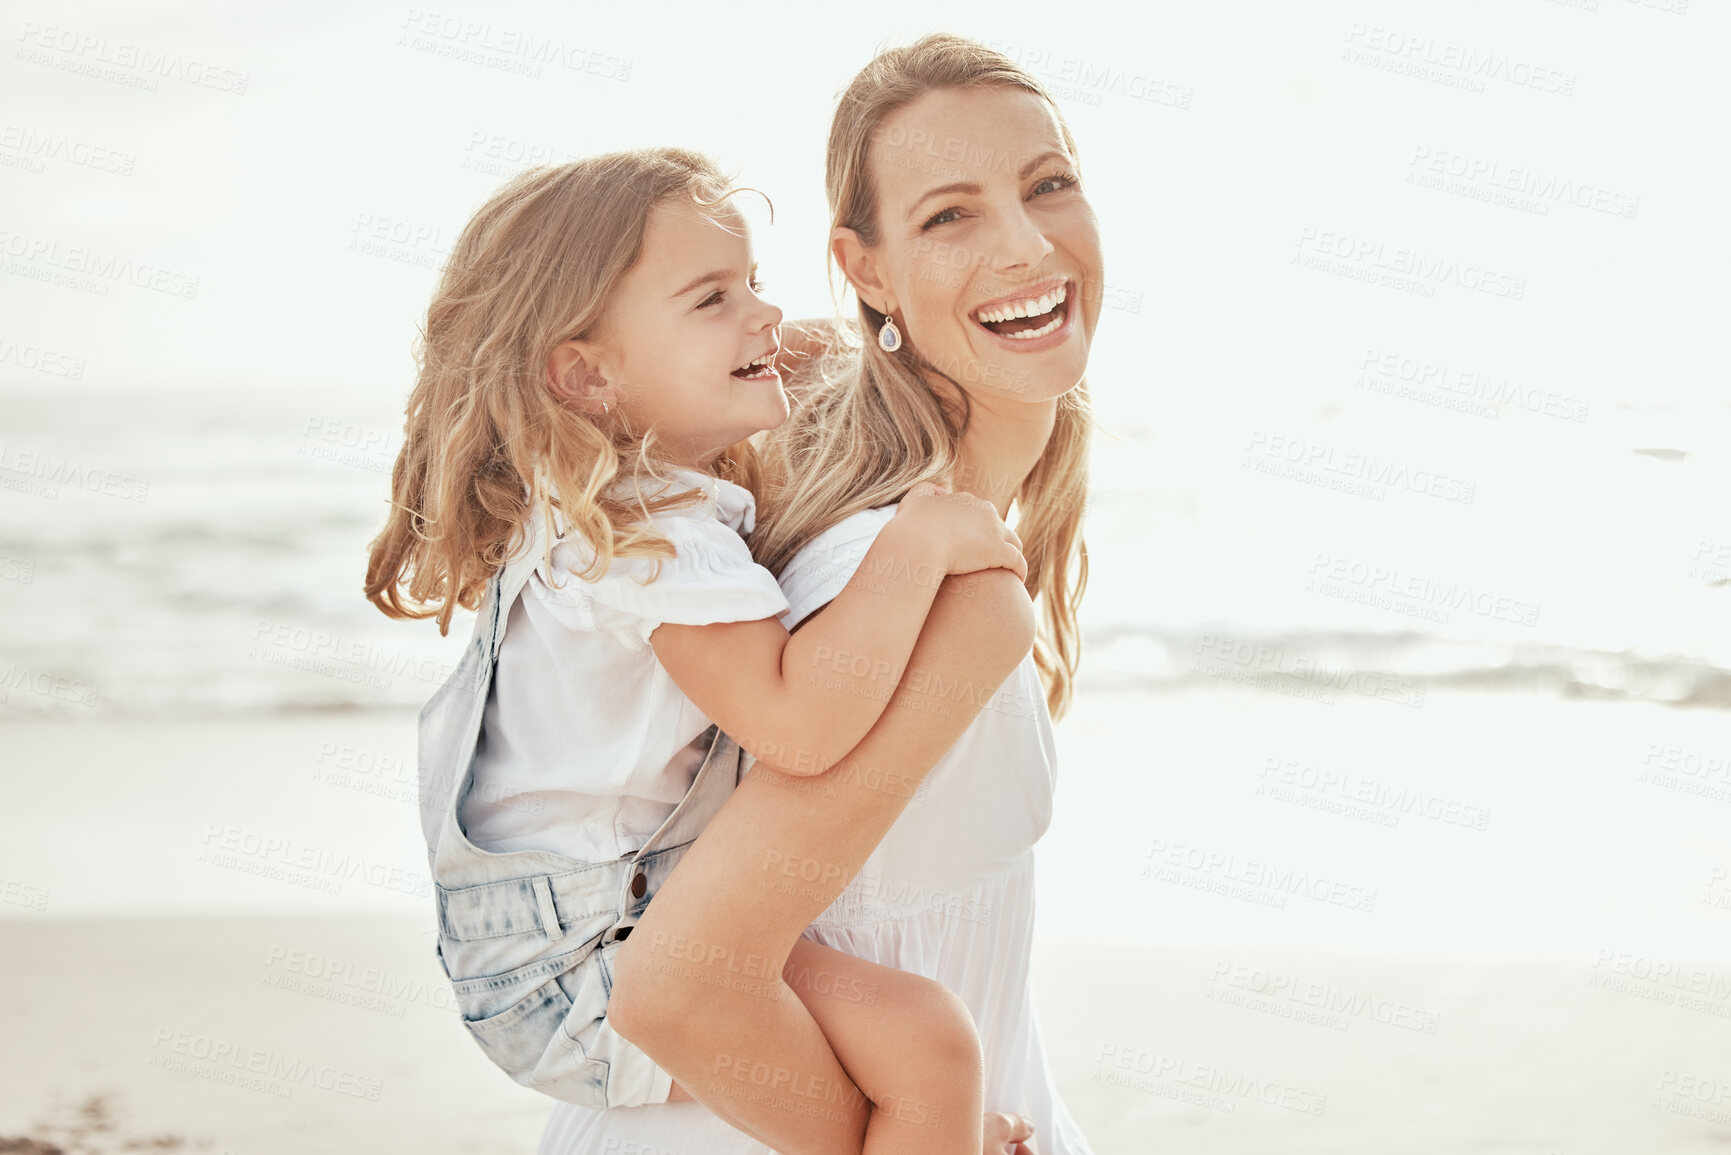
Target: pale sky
{"type": "Point", "coordinates": [400, 118]}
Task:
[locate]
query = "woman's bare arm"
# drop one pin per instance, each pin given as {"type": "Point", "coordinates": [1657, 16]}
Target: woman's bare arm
{"type": "Point", "coordinates": [677, 991]}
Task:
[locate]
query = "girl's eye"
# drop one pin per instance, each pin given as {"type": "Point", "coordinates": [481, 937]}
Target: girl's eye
{"type": "Point", "coordinates": [720, 295]}
{"type": "Point", "coordinates": [1057, 182]}
{"type": "Point", "coordinates": [941, 218]}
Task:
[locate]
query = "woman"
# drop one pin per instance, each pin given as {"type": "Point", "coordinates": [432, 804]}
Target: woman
{"type": "Point", "coordinates": [961, 226]}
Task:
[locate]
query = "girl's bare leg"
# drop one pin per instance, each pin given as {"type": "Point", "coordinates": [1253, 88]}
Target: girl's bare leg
{"type": "Point", "coordinates": [908, 1042]}
{"type": "Point", "coordinates": [699, 983]}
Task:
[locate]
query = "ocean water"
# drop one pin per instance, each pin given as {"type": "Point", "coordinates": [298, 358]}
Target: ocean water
{"type": "Point", "coordinates": [198, 553]}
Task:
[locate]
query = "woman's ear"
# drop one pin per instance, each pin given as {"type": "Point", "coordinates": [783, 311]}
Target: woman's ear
{"type": "Point", "coordinates": [860, 265]}
{"type": "Point", "coordinates": [575, 379]}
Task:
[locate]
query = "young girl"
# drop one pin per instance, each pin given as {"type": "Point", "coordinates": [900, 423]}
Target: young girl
{"type": "Point", "coordinates": [574, 467]}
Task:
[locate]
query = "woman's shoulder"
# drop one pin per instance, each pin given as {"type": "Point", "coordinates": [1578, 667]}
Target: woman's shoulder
{"type": "Point", "coordinates": [824, 565]}
{"type": "Point", "coordinates": [847, 539]}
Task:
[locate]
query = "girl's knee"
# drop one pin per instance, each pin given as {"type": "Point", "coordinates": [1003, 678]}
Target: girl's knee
{"type": "Point", "coordinates": [954, 1033]}
{"type": "Point", "coordinates": [939, 1066]}
{"type": "Point", "coordinates": [935, 1031]}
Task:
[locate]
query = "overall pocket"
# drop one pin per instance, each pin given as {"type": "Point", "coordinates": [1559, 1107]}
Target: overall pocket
{"type": "Point", "coordinates": [518, 1037]}
{"type": "Point", "coordinates": [531, 1039]}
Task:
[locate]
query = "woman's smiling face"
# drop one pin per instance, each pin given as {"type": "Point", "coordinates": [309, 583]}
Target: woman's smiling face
{"type": "Point", "coordinates": [988, 252]}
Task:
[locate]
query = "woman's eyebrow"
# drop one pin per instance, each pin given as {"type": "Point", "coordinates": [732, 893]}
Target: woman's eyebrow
{"type": "Point", "coordinates": [966, 187]}
{"type": "Point", "coordinates": [969, 188]}
{"type": "Point", "coordinates": [1028, 168]}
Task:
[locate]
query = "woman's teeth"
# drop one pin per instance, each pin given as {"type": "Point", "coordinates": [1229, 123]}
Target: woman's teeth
{"type": "Point", "coordinates": [1026, 319]}
{"type": "Point", "coordinates": [1033, 307]}
{"type": "Point", "coordinates": [1029, 334]}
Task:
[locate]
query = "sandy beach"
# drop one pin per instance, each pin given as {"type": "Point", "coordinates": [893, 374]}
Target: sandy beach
{"type": "Point", "coordinates": [262, 1036]}
{"type": "Point", "coordinates": [218, 928]}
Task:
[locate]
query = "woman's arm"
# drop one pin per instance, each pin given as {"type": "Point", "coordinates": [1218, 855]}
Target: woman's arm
{"type": "Point", "coordinates": [730, 893]}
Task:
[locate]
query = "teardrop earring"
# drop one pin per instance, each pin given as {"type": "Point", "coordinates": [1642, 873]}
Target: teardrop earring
{"type": "Point", "coordinates": [889, 337]}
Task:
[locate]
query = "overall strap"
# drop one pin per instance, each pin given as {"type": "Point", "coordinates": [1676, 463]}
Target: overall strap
{"type": "Point", "coordinates": [508, 582]}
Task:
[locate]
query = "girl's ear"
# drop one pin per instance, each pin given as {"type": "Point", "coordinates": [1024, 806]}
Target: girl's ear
{"type": "Point", "coordinates": [574, 378]}
{"type": "Point", "coordinates": [860, 265]}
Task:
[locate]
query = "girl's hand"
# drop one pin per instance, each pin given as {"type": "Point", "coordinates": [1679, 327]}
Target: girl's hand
{"type": "Point", "coordinates": [966, 530]}
{"type": "Point", "coordinates": [1006, 1134]}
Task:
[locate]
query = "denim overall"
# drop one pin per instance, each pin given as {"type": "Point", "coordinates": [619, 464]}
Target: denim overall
{"type": "Point", "coordinates": [528, 937]}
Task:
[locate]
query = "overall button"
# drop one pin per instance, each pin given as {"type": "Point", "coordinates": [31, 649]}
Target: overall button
{"type": "Point", "coordinates": [639, 884]}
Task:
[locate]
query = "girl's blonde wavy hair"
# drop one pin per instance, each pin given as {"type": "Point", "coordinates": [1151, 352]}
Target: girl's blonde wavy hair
{"type": "Point", "coordinates": [868, 426]}
{"type": "Point", "coordinates": [486, 443]}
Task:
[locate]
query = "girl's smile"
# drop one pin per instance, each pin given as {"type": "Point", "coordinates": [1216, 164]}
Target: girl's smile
{"type": "Point", "coordinates": [687, 347]}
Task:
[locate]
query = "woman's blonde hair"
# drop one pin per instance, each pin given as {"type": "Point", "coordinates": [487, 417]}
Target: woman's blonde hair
{"type": "Point", "coordinates": [486, 443]}
{"type": "Point", "coordinates": [869, 426]}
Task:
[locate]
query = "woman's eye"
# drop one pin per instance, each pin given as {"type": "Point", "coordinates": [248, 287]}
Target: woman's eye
{"type": "Point", "coordinates": [756, 285]}
{"type": "Point", "coordinates": [942, 218]}
{"type": "Point", "coordinates": [1055, 183]}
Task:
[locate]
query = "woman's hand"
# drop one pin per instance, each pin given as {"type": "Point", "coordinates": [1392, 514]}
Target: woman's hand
{"type": "Point", "coordinates": [966, 530]}
{"type": "Point", "coordinates": [1006, 1134]}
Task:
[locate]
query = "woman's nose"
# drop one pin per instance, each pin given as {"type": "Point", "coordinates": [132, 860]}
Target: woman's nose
{"type": "Point", "coordinates": [1019, 241]}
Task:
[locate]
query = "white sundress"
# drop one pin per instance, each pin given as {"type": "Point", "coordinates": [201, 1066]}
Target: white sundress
{"type": "Point", "coordinates": [948, 894]}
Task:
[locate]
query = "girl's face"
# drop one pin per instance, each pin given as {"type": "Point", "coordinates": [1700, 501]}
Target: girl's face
{"type": "Point", "coordinates": [988, 252]}
{"type": "Point", "coordinates": [686, 346]}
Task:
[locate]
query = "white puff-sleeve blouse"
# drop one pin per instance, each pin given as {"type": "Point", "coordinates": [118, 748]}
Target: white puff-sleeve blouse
{"type": "Point", "coordinates": [587, 744]}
